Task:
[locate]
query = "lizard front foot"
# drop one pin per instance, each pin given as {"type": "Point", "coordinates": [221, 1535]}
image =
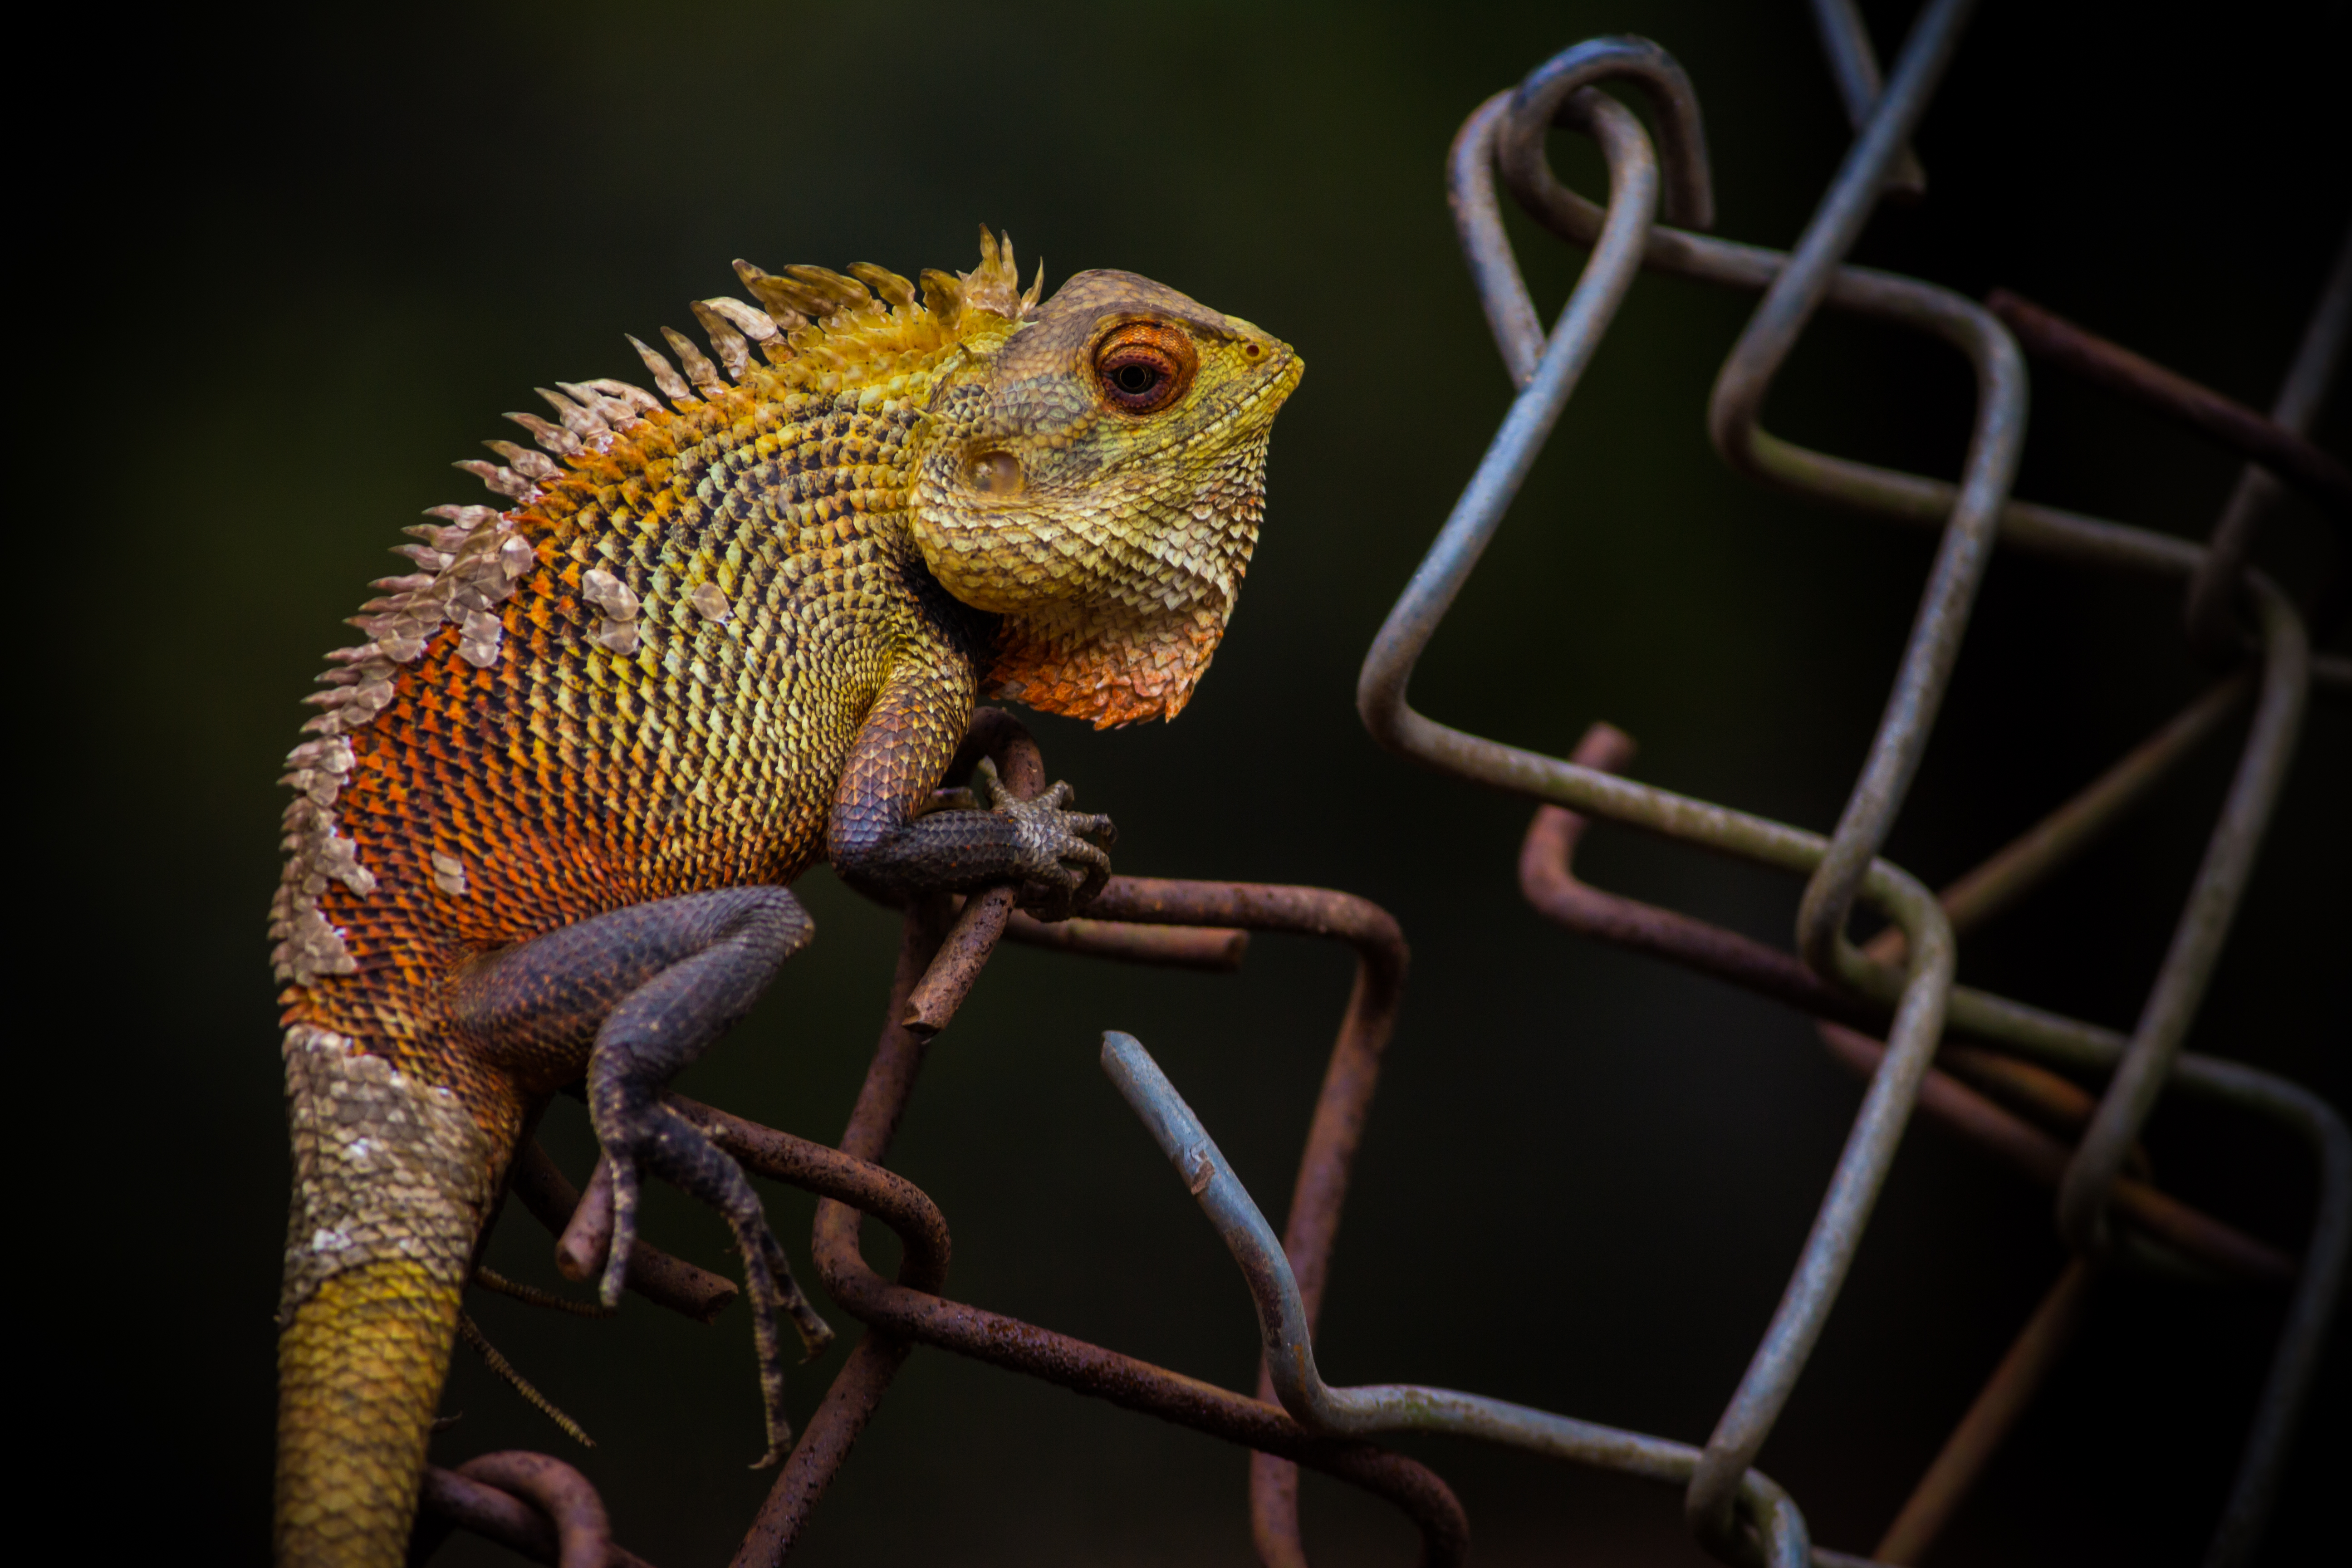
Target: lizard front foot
{"type": "Point", "coordinates": [1061, 853]}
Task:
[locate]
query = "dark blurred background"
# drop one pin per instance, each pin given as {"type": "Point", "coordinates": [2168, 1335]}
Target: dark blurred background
{"type": "Point", "coordinates": [284, 272]}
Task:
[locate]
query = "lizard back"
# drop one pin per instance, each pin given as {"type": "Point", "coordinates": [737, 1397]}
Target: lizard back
{"type": "Point", "coordinates": [639, 680]}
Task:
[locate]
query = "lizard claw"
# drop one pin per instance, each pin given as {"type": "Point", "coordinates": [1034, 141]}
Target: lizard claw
{"type": "Point", "coordinates": [624, 1169]}
{"type": "Point", "coordinates": [1063, 852]}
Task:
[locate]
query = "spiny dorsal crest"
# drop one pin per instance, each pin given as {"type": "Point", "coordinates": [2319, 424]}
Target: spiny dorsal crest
{"type": "Point", "coordinates": [995, 284]}
{"type": "Point", "coordinates": [825, 320]}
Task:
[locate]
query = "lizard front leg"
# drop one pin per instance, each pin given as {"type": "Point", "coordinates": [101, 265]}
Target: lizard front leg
{"type": "Point", "coordinates": [882, 838]}
{"type": "Point", "coordinates": [656, 983]}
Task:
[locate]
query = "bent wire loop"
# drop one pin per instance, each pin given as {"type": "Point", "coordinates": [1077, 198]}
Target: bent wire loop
{"type": "Point", "coordinates": [1289, 1349]}
{"type": "Point", "coordinates": [1891, 1010]}
{"type": "Point", "coordinates": [1506, 135]}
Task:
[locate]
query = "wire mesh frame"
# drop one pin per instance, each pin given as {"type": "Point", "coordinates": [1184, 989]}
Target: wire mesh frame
{"type": "Point", "coordinates": [1890, 1010]}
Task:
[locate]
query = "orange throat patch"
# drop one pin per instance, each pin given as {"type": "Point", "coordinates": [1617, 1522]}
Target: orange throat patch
{"type": "Point", "coordinates": [1107, 668]}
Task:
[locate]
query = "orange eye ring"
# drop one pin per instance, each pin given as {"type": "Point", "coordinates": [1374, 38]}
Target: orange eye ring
{"type": "Point", "coordinates": [1145, 366]}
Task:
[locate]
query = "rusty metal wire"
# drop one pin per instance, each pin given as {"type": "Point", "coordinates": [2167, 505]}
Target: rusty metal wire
{"type": "Point", "coordinates": [1999, 1072]}
{"type": "Point", "coordinates": [943, 952]}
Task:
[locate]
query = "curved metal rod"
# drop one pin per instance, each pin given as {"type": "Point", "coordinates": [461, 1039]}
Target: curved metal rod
{"type": "Point", "coordinates": [1736, 404]}
{"type": "Point", "coordinates": [1541, 100]}
{"type": "Point", "coordinates": [1548, 880]}
{"type": "Point", "coordinates": [531, 1503]}
{"type": "Point", "coordinates": [899, 1315]}
{"type": "Point", "coordinates": [2309, 1316]}
{"type": "Point", "coordinates": [1341, 1104]}
{"type": "Point", "coordinates": [1549, 96]}
{"type": "Point", "coordinates": [911, 1312]}
{"type": "Point", "coordinates": [2086, 1047]}
{"type": "Point", "coordinates": [1862, 1166]}
{"type": "Point", "coordinates": [2196, 938]}
{"type": "Point", "coordinates": [1485, 248]}
{"type": "Point", "coordinates": [1289, 1348]}
{"type": "Point", "coordinates": [1853, 65]}
{"type": "Point", "coordinates": [1151, 914]}
{"type": "Point", "coordinates": [1902, 497]}
{"type": "Point", "coordinates": [1633, 179]}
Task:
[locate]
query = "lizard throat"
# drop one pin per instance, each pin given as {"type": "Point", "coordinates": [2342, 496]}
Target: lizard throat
{"type": "Point", "coordinates": [1110, 669]}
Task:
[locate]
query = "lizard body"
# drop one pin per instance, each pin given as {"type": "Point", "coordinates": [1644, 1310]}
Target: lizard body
{"type": "Point", "coordinates": [546, 820]}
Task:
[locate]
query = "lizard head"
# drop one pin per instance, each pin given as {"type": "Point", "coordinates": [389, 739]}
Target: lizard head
{"type": "Point", "coordinates": [1096, 479]}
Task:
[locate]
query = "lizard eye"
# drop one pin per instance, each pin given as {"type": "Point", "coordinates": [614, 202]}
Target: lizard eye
{"type": "Point", "coordinates": [1144, 366]}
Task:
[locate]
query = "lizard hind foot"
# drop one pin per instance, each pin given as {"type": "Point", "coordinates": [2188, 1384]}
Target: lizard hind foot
{"type": "Point", "coordinates": [807, 1321]}
{"type": "Point", "coordinates": [772, 1288]}
{"type": "Point", "coordinates": [670, 977]}
{"type": "Point", "coordinates": [655, 1138]}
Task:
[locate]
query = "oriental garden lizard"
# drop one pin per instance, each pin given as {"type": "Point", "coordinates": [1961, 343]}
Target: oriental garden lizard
{"type": "Point", "coordinates": [547, 818]}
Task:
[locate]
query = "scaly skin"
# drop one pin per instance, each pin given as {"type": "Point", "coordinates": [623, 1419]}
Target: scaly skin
{"type": "Point", "coordinates": [549, 809]}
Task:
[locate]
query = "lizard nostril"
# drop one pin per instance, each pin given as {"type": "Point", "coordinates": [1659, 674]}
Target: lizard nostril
{"type": "Point", "coordinates": [995, 474]}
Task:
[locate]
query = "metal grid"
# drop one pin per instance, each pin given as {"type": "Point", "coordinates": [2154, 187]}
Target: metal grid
{"type": "Point", "coordinates": [1990, 1067]}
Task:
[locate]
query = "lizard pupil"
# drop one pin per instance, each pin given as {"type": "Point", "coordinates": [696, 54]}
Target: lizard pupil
{"type": "Point", "coordinates": [1134, 380]}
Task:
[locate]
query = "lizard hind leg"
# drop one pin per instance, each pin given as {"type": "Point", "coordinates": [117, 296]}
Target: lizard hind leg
{"type": "Point", "coordinates": [658, 983]}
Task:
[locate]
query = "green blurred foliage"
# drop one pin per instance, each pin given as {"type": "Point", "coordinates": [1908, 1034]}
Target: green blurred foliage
{"type": "Point", "coordinates": [289, 269]}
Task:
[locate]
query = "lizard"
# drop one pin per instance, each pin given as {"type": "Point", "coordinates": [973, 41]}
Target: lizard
{"type": "Point", "coordinates": [546, 821]}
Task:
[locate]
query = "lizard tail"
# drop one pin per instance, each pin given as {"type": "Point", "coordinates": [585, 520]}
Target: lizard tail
{"type": "Point", "coordinates": [358, 1376]}
{"type": "Point", "coordinates": [394, 1181]}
